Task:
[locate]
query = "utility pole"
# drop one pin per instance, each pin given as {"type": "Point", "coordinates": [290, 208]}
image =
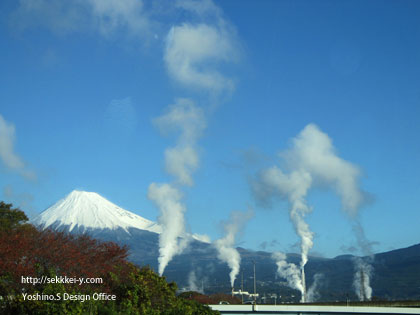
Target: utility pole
{"type": "Point", "coordinates": [255, 286]}
{"type": "Point", "coordinates": [242, 286]}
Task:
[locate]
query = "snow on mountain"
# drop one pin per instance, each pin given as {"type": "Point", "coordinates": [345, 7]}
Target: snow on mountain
{"type": "Point", "coordinates": [90, 210]}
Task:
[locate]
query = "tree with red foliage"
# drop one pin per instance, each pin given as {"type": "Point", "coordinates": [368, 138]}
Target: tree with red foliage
{"type": "Point", "coordinates": [26, 251]}
{"type": "Point", "coordinates": [210, 299]}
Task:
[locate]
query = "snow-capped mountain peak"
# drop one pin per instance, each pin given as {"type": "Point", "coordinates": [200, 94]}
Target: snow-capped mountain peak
{"type": "Point", "coordinates": [89, 210]}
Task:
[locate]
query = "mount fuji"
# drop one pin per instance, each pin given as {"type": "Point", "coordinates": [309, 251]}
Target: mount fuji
{"type": "Point", "coordinates": [84, 211]}
{"type": "Point", "coordinates": [89, 212]}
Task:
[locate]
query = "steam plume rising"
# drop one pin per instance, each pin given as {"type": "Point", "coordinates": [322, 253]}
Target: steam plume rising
{"type": "Point", "coordinates": [225, 245]}
{"type": "Point", "coordinates": [181, 161]}
{"type": "Point", "coordinates": [189, 121]}
{"type": "Point", "coordinates": [295, 187]}
{"type": "Point", "coordinates": [312, 294]}
{"type": "Point", "coordinates": [167, 198]}
{"type": "Point", "coordinates": [293, 276]}
{"type": "Point", "coordinates": [192, 53]}
{"type": "Point", "coordinates": [193, 284]}
{"type": "Point", "coordinates": [362, 276]}
{"type": "Point", "coordinates": [290, 272]}
{"type": "Point", "coordinates": [362, 265]}
{"type": "Point", "coordinates": [312, 160]}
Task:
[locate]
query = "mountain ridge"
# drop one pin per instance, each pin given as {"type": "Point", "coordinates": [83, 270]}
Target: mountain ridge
{"type": "Point", "coordinates": [396, 273]}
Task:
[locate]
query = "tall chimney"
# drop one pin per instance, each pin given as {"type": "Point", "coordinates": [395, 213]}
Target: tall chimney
{"type": "Point", "coordinates": [362, 285]}
{"type": "Point", "coordinates": [303, 299]}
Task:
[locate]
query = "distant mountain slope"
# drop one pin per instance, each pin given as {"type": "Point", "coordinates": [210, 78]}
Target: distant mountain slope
{"type": "Point", "coordinates": [398, 271]}
{"type": "Point", "coordinates": [396, 274]}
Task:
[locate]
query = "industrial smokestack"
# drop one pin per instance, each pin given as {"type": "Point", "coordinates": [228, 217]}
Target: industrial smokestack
{"type": "Point", "coordinates": [303, 299]}
{"type": "Point", "coordinates": [362, 286]}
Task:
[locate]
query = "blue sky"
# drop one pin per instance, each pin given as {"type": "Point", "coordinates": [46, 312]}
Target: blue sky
{"type": "Point", "coordinates": [82, 83]}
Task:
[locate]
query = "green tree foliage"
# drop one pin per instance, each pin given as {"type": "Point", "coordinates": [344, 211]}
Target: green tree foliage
{"type": "Point", "coordinates": [11, 218]}
{"type": "Point", "coordinates": [26, 251]}
{"type": "Point", "coordinates": [142, 291]}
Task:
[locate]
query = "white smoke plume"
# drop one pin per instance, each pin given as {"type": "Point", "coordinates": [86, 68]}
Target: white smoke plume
{"type": "Point", "coordinates": [290, 272]}
{"type": "Point", "coordinates": [172, 240]}
{"type": "Point", "coordinates": [226, 251]}
{"type": "Point", "coordinates": [7, 152]}
{"type": "Point", "coordinates": [185, 118]}
{"type": "Point", "coordinates": [294, 187]}
{"type": "Point", "coordinates": [363, 269]}
{"type": "Point", "coordinates": [363, 243]}
{"type": "Point", "coordinates": [361, 282]}
{"type": "Point", "coordinates": [193, 283]}
{"type": "Point", "coordinates": [192, 55]}
{"type": "Point", "coordinates": [312, 160]}
{"type": "Point", "coordinates": [312, 294]}
{"type": "Point", "coordinates": [314, 152]}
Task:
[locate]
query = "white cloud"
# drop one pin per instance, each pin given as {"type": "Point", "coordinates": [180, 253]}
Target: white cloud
{"type": "Point", "coordinates": [193, 52]}
{"type": "Point", "coordinates": [110, 15]}
{"type": "Point", "coordinates": [7, 154]}
{"type": "Point", "coordinates": [60, 16]}
{"type": "Point", "coordinates": [67, 16]}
